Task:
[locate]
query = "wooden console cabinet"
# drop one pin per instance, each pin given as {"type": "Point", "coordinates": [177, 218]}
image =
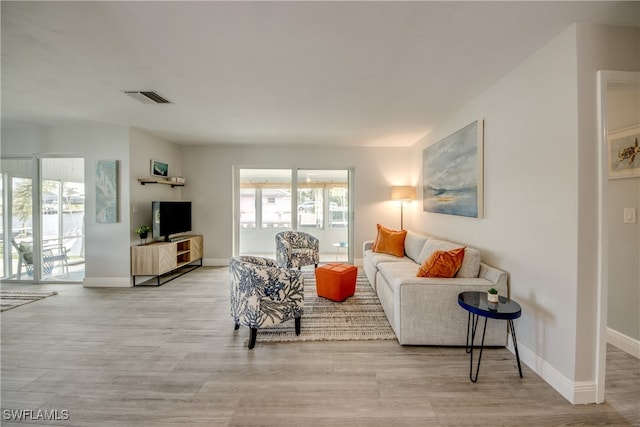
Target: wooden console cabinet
{"type": "Point", "coordinates": [166, 258]}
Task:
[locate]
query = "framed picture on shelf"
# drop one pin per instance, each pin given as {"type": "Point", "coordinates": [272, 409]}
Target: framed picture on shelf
{"type": "Point", "coordinates": [624, 153]}
{"type": "Point", "coordinates": [159, 168]}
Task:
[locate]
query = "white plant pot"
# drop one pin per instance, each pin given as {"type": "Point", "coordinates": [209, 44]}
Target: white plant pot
{"type": "Point", "coordinates": [492, 297]}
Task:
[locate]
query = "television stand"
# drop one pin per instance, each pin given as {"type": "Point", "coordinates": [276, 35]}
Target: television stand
{"type": "Point", "coordinates": [168, 260]}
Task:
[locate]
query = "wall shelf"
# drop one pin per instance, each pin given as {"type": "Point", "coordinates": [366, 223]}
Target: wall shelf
{"type": "Point", "coordinates": [145, 181]}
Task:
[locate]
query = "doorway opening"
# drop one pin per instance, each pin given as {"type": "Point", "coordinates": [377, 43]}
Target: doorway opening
{"type": "Point", "coordinates": [618, 241]}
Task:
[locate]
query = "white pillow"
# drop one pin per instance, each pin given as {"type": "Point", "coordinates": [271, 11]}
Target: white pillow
{"type": "Point", "coordinates": [413, 244]}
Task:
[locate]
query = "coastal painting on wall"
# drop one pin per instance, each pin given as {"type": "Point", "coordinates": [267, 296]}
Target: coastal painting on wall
{"type": "Point", "coordinates": [107, 191]}
{"type": "Point", "coordinates": [159, 168]}
{"type": "Point", "coordinates": [453, 174]}
{"type": "Point", "coordinates": [624, 153]}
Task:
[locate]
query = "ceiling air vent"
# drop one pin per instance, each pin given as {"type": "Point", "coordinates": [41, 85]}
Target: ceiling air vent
{"type": "Point", "coordinates": [147, 96]}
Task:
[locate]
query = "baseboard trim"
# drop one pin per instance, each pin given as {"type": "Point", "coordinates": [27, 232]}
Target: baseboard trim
{"type": "Point", "coordinates": [215, 262]}
{"type": "Point", "coordinates": [576, 392]}
{"type": "Point", "coordinates": [107, 282]}
{"type": "Point", "coordinates": [624, 342]}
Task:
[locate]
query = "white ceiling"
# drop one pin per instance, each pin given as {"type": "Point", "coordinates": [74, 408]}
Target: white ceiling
{"type": "Point", "coordinates": [322, 73]}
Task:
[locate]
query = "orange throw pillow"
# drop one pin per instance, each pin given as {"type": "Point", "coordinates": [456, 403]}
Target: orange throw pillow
{"type": "Point", "coordinates": [390, 241]}
{"type": "Point", "coordinates": [442, 264]}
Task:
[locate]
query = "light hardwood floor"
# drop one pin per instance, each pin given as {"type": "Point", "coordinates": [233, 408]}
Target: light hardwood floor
{"type": "Point", "coordinates": [165, 356]}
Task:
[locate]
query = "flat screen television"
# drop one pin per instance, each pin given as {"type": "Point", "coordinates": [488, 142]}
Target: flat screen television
{"type": "Point", "coordinates": [170, 218]}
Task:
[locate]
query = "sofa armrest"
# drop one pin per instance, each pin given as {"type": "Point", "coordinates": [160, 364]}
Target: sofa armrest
{"type": "Point", "coordinates": [495, 276]}
{"type": "Point", "coordinates": [367, 245]}
{"type": "Point", "coordinates": [427, 312]}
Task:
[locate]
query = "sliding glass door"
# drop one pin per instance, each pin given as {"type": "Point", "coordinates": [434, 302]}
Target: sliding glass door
{"type": "Point", "coordinates": [264, 202]}
{"type": "Point", "coordinates": [17, 219]}
{"type": "Point", "coordinates": [42, 225]}
{"type": "Point", "coordinates": [272, 200]}
{"type": "Point", "coordinates": [62, 218]}
{"type": "Point", "coordinates": [323, 210]}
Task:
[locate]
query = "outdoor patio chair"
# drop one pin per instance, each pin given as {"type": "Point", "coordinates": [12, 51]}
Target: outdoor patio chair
{"type": "Point", "coordinates": [51, 254]}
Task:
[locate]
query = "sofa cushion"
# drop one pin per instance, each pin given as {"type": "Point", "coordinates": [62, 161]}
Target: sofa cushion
{"type": "Point", "coordinates": [376, 258]}
{"type": "Point", "coordinates": [442, 264]}
{"type": "Point", "coordinates": [390, 241]}
{"type": "Point", "coordinates": [413, 244]}
{"type": "Point", "coordinates": [398, 272]}
{"type": "Point", "coordinates": [470, 264]}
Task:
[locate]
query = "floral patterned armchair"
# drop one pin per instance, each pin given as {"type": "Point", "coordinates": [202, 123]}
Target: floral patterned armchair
{"type": "Point", "coordinates": [263, 294]}
{"type": "Point", "coordinates": [297, 249]}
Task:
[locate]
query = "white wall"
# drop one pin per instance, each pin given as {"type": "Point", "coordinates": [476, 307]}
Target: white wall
{"type": "Point", "coordinates": [530, 193]}
{"type": "Point", "coordinates": [624, 239]}
{"type": "Point", "coordinates": [541, 208]}
{"type": "Point", "coordinates": [143, 148]}
{"type": "Point", "coordinates": [107, 264]}
{"type": "Point", "coordinates": [209, 173]}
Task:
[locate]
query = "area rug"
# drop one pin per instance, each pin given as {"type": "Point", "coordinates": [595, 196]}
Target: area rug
{"type": "Point", "coordinates": [358, 318]}
{"type": "Point", "coordinates": [13, 299]}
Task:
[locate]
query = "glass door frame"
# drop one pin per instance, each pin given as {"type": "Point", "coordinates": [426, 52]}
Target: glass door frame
{"type": "Point", "coordinates": [36, 218]}
{"type": "Point", "coordinates": [7, 218]}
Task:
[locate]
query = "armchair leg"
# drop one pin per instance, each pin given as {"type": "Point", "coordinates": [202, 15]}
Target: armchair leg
{"type": "Point", "coordinates": [236, 327]}
{"type": "Point", "coordinates": [298, 323]}
{"type": "Point", "coordinates": [252, 337]}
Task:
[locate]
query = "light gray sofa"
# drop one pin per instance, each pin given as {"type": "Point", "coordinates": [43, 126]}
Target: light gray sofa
{"type": "Point", "coordinates": [425, 311]}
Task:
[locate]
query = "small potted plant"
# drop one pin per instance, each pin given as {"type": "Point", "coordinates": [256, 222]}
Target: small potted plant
{"type": "Point", "coordinates": [143, 232]}
{"type": "Point", "coordinates": [492, 295]}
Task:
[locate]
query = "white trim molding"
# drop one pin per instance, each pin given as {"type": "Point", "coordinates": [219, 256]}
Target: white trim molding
{"type": "Point", "coordinates": [576, 392]}
{"type": "Point", "coordinates": [624, 342]}
{"type": "Point", "coordinates": [107, 282]}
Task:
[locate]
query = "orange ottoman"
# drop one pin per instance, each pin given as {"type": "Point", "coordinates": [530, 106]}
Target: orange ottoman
{"type": "Point", "coordinates": [336, 281]}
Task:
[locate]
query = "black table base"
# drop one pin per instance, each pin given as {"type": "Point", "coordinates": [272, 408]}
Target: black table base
{"type": "Point", "coordinates": [472, 325]}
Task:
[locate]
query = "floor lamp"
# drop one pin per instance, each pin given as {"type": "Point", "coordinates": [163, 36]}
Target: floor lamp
{"type": "Point", "coordinates": [403, 193]}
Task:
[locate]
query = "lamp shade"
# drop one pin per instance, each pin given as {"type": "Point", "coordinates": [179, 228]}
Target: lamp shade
{"type": "Point", "coordinates": [403, 192]}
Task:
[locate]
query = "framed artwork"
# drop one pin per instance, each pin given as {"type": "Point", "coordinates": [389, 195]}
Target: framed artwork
{"type": "Point", "coordinates": [452, 173]}
{"type": "Point", "coordinates": [624, 153]}
{"type": "Point", "coordinates": [107, 191]}
{"type": "Point", "coordinates": [159, 168]}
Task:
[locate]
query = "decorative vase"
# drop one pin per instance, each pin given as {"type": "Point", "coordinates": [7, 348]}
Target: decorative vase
{"type": "Point", "coordinates": [143, 237]}
{"type": "Point", "coordinates": [493, 298]}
